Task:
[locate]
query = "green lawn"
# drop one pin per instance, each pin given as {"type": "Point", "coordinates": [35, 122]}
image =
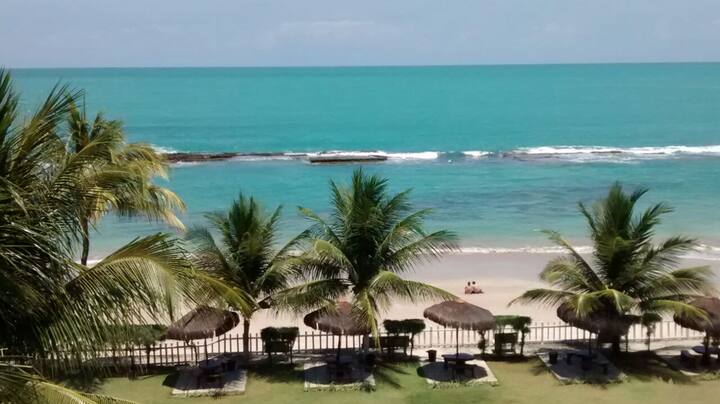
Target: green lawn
{"type": "Point", "coordinates": [524, 382]}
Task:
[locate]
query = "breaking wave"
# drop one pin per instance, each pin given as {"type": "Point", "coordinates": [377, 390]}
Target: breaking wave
{"type": "Point", "coordinates": [571, 154]}
{"type": "Point", "coordinates": [702, 252]}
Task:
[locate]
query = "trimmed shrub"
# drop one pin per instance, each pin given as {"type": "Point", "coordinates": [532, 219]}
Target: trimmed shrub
{"type": "Point", "coordinates": [286, 334]}
{"type": "Point", "coordinates": [520, 324]}
{"type": "Point", "coordinates": [410, 326]}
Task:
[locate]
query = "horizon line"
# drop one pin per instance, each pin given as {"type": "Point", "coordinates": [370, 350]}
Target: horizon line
{"type": "Point", "coordinates": [329, 66]}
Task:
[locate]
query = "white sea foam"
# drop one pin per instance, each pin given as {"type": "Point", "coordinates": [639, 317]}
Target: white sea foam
{"type": "Point", "coordinates": [584, 153]}
{"type": "Point", "coordinates": [522, 250]}
{"type": "Point", "coordinates": [189, 163]}
{"type": "Point", "coordinates": [163, 149]}
{"type": "Point", "coordinates": [573, 154]}
{"type": "Point", "coordinates": [701, 252]}
{"type": "Point", "coordinates": [476, 153]}
{"type": "Point", "coordinates": [426, 155]}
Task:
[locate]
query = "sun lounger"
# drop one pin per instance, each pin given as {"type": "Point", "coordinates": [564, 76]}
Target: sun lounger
{"type": "Point", "coordinates": [690, 357]}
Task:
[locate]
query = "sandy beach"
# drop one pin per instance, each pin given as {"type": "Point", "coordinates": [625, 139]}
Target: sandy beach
{"type": "Point", "coordinates": [502, 276]}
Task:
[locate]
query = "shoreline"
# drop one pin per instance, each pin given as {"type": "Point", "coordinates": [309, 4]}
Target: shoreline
{"type": "Point", "coordinates": [706, 250]}
{"type": "Point", "coordinates": [502, 276]}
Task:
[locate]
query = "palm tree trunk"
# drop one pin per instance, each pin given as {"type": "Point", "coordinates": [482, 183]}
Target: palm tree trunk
{"type": "Point", "coordinates": [706, 353]}
{"type": "Point", "coordinates": [338, 349]}
{"type": "Point", "coordinates": [84, 227]}
{"type": "Point", "coordinates": [615, 345]}
{"type": "Point", "coordinates": [246, 338]}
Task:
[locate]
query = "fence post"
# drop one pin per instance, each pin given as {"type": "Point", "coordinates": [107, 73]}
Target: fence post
{"type": "Point", "coordinates": [542, 332]}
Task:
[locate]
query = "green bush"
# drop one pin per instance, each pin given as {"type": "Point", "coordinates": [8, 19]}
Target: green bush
{"type": "Point", "coordinates": [520, 324]}
{"type": "Point", "coordinates": [392, 326]}
{"type": "Point", "coordinates": [410, 326]}
{"type": "Point", "coordinates": [287, 334]}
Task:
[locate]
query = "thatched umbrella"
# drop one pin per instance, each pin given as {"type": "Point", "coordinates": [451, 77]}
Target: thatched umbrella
{"type": "Point", "coordinates": [338, 320]}
{"type": "Point", "coordinates": [710, 326]}
{"type": "Point", "coordinates": [201, 323]}
{"type": "Point", "coordinates": [460, 314]}
{"type": "Point", "coordinates": [608, 325]}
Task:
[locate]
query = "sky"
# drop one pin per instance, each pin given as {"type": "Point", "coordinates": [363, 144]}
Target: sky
{"type": "Point", "coordinates": [120, 33]}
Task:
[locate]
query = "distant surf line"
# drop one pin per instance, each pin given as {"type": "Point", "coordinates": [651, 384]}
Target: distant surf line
{"type": "Point", "coordinates": [573, 154]}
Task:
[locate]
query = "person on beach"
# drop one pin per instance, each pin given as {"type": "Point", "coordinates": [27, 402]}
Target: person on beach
{"type": "Point", "coordinates": [468, 289]}
{"type": "Point", "coordinates": [475, 289]}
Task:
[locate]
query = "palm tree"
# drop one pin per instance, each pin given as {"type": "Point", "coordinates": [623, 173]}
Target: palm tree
{"type": "Point", "coordinates": [120, 177]}
{"type": "Point", "coordinates": [630, 278]}
{"type": "Point", "coordinates": [370, 239]}
{"type": "Point", "coordinates": [244, 259]}
{"type": "Point", "coordinates": [49, 305]}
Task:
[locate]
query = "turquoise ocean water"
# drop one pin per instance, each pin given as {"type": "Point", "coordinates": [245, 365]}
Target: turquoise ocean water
{"type": "Point", "coordinates": [497, 151]}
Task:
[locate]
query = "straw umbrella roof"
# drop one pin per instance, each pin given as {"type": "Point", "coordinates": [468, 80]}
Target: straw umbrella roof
{"type": "Point", "coordinates": [711, 325]}
{"type": "Point", "coordinates": [339, 320]}
{"type": "Point", "coordinates": [203, 322]}
{"type": "Point", "coordinates": [460, 314]}
{"type": "Point", "coordinates": [608, 324]}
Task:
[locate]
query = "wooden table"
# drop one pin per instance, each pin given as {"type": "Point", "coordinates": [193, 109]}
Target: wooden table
{"type": "Point", "coordinates": [340, 366]}
{"type": "Point", "coordinates": [459, 361]}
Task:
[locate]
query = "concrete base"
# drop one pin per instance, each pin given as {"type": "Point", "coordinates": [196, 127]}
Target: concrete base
{"type": "Point", "coordinates": [478, 372]}
{"type": "Point", "coordinates": [573, 372]}
{"type": "Point", "coordinates": [188, 384]}
{"type": "Point", "coordinates": [671, 356]}
{"type": "Point", "coordinates": [318, 378]}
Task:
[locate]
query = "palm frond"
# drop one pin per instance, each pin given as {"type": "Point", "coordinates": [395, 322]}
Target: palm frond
{"type": "Point", "coordinates": [387, 283]}
{"type": "Point", "coordinates": [547, 297]}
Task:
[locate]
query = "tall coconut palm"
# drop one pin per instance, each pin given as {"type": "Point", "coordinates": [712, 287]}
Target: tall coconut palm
{"type": "Point", "coordinates": [370, 239]}
{"type": "Point", "coordinates": [49, 305]}
{"type": "Point", "coordinates": [244, 259]}
{"type": "Point", "coordinates": [120, 178]}
{"type": "Point", "coordinates": [629, 277]}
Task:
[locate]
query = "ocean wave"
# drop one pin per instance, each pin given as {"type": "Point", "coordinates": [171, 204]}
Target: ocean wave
{"type": "Point", "coordinates": [603, 153]}
{"type": "Point", "coordinates": [567, 154]}
{"type": "Point", "coordinates": [425, 155]}
{"type": "Point", "coordinates": [163, 149]}
{"type": "Point", "coordinates": [702, 252]}
{"type": "Point", "coordinates": [476, 153]}
{"type": "Point", "coordinates": [521, 250]}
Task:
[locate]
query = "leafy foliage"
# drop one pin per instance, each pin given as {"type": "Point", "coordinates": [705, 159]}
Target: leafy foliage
{"type": "Point", "coordinates": [629, 274]}
{"type": "Point", "coordinates": [279, 333]}
{"type": "Point", "coordinates": [51, 306]}
{"type": "Point", "coordinates": [370, 239]}
{"type": "Point", "coordinates": [517, 323]}
{"type": "Point", "coordinates": [243, 267]}
{"type": "Point", "coordinates": [117, 175]}
{"type": "Point", "coordinates": [409, 326]}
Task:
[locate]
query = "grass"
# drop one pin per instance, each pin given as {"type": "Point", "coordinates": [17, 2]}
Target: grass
{"type": "Point", "coordinates": [520, 382]}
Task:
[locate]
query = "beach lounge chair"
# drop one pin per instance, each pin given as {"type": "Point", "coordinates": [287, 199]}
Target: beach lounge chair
{"type": "Point", "coordinates": [691, 358]}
